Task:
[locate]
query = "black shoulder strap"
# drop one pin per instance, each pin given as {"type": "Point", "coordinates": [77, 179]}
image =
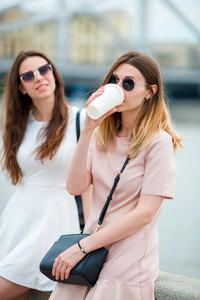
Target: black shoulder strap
{"type": "Point", "coordinates": [78, 198]}
{"type": "Point", "coordinates": [78, 128]}
{"type": "Point", "coordinates": [109, 198]}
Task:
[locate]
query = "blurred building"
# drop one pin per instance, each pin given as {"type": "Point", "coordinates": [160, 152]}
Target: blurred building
{"type": "Point", "coordinates": [83, 44]}
{"type": "Point", "coordinates": [181, 56]}
{"type": "Point", "coordinates": [90, 41]}
{"type": "Point", "coordinates": [20, 35]}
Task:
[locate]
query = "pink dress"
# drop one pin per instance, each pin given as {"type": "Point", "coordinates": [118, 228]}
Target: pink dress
{"type": "Point", "coordinates": [132, 264]}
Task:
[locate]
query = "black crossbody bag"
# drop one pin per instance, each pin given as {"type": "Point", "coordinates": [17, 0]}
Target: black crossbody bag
{"type": "Point", "coordinates": [86, 272]}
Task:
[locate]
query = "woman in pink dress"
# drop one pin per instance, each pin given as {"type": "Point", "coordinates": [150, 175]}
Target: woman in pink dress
{"type": "Point", "coordinates": [141, 128]}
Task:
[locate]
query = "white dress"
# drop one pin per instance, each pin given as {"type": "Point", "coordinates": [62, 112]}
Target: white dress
{"type": "Point", "coordinates": [40, 210]}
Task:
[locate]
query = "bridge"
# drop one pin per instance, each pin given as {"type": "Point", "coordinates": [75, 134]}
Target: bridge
{"type": "Point", "coordinates": [185, 80]}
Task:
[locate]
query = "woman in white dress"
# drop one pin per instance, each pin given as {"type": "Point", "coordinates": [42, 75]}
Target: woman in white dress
{"type": "Point", "coordinates": [39, 138]}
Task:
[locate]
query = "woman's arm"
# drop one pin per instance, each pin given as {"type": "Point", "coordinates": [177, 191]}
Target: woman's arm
{"type": "Point", "coordinates": [86, 200]}
{"type": "Point", "coordinates": [78, 178]}
{"type": "Point", "coordinates": [127, 225]}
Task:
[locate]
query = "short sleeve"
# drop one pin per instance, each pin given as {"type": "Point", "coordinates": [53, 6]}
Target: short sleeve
{"type": "Point", "coordinates": [160, 167]}
{"type": "Point", "coordinates": [82, 117]}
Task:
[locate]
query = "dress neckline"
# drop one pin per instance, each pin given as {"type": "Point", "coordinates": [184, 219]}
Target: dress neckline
{"type": "Point", "coordinates": [39, 122]}
{"type": "Point", "coordinates": [45, 122]}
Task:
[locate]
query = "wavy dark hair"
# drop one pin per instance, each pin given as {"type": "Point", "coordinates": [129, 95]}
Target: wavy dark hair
{"type": "Point", "coordinates": [16, 109]}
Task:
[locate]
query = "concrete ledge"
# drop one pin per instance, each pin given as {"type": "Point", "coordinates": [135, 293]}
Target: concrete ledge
{"type": "Point", "coordinates": [175, 287]}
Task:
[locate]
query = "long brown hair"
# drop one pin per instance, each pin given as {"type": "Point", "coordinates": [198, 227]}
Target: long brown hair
{"type": "Point", "coordinates": [154, 115]}
{"type": "Point", "coordinates": [16, 109]}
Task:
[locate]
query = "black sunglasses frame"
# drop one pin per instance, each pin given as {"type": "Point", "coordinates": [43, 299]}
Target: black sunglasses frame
{"type": "Point", "coordinates": [128, 83]}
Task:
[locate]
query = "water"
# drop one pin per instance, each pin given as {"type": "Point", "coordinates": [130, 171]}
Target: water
{"type": "Point", "coordinates": [179, 224]}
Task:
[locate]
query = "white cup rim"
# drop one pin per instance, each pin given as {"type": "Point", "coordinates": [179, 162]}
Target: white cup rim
{"type": "Point", "coordinates": [116, 86]}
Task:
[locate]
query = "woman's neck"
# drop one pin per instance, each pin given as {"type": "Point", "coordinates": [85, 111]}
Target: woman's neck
{"type": "Point", "coordinates": [41, 116]}
{"type": "Point", "coordinates": [43, 110]}
{"type": "Point", "coordinates": [127, 123]}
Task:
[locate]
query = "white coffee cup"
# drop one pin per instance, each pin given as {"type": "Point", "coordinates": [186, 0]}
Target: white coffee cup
{"type": "Point", "coordinates": [112, 96]}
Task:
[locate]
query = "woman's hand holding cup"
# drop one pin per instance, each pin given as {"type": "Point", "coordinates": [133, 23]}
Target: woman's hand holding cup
{"type": "Point", "coordinates": [102, 103]}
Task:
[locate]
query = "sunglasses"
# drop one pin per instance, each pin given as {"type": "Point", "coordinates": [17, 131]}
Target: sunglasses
{"type": "Point", "coordinates": [127, 83]}
{"type": "Point", "coordinates": [29, 77]}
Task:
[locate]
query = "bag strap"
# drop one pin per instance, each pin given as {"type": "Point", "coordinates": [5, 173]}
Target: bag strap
{"type": "Point", "coordinates": [78, 130]}
{"type": "Point", "coordinates": [78, 198]}
{"type": "Point", "coordinates": [109, 198]}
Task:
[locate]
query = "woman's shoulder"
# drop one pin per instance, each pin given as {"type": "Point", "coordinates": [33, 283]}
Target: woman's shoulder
{"type": "Point", "coordinates": [73, 113]}
{"type": "Point", "coordinates": [74, 109]}
{"type": "Point", "coordinates": [161, 139]}
{"type": "Point", "coordinates": [162, 136]}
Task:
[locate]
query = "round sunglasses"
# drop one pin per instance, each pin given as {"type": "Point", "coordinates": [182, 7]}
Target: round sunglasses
{"type": "Point", "coordinates": [29, 77]}
{"type": "Point", "coordinates": [127, 83]}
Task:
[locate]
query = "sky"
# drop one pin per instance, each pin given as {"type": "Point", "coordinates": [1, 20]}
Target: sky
{"type": "Point", "coordinates": [165, 25]}
{"type": "Point", "coordinates": [161, 21]}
